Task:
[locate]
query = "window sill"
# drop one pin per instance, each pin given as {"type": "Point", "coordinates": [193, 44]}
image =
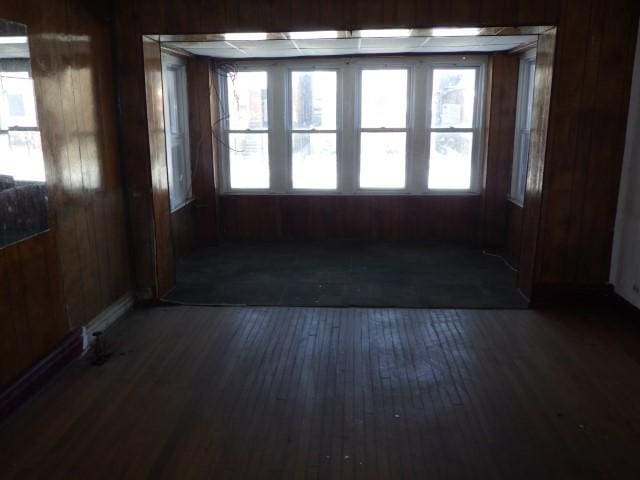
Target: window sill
{"type": "Point", "coordinates": [182, 205]}
{"type": "Point", "coordinates": [367, 193]}
{"type": "Point", "coordinates": [516, 202]}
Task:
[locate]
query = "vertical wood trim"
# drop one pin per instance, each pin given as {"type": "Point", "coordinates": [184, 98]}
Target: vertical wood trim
{"type": "Point", "coordinates": [502, 92]}
{"type": "Point", "coordinates": [164, 264]}
{"type": "Point", "coordinates": [537, 154]}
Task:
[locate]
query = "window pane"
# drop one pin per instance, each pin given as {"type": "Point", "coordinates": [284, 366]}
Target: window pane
{"type": "Point", "coordinates": [452, 101]}
{"type": "Point", "coordinates": [178, 185]}
{"type": "Point", "coordinates": [450, 160]}
{"type": "Point", "coordinates": [314, 160]}
{"type": "Point", "coordinates": [522, 165]}
{"type": "Point", "coordinates": [174, 118]}
{"type": "Point", "coordinates": [247, 92]}
{"type": "Point", "coordinates": [382, 159]}
{"type": "Point", "coordinates": [384, 99]}
{"type": "Point", "coordinates": [249, 160]}
{"type": "Point", "coordinates": [313, 102]}
{"type": "Point", "coordinates": [531, 72]}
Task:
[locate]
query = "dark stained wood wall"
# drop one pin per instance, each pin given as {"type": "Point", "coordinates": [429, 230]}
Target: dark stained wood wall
{"type": "Point", "coordinates": [164, 274]}
{"type": "Point", "coordinates": [501, 118]}
{"type": "Point", "coordinates": [514, 232]}
{"type": "Point", "coordinates": [383, 217]}
{"type": "Point", "coordinates": [63, 278]}
{"type": "Point", "coordinates": [588, 105]}
{"type": "Point", "coordinates": [538, 165]}
{"type": "Point", "coordinates": [32, 317]}
{"type": "Point", "coordinates": [196, 224]}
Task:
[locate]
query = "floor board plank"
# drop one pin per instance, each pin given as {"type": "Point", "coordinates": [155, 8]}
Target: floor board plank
{"type": "Point", "coordinates": [283, 392]}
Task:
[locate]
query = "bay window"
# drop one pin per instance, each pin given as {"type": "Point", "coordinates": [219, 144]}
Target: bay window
{"type": "Point", "coordinates": [404, 125]}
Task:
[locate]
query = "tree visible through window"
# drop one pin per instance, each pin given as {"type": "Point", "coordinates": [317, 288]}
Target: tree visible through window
{"type": "Point", "coordinates": [452, 128]}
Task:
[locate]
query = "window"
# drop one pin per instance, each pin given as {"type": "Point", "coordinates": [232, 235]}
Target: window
{"type": "Point", "coordinates": [248, 130]}
{"type": "Point", "coordinates": [409, 125]}
{"type": "Point", "coordinates": [453, 127]}
{"type": "Point", "coordinates": [523, 126]}
{"type": "Point", "coordinates": [313, 130]}
{"type": "Point", "coordinates": [174, 81]}
{"type": "Point", "coordinates": [383, 128]}
{"type": "Point", "coordinates": [23, 188]}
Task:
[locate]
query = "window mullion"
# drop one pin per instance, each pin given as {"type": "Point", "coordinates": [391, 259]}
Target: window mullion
{"type": "Point", "coordinates": [417, 161]}
{"type": "Point", "coordinates": [348, 135]}
{"type": "Point", "coordinates": [279, 138]}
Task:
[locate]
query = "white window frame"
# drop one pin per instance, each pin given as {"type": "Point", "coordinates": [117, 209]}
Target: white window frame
{"type": "Point", "coordinates": [476, 129]}
{"type": "Point", "coordinates": [179, 64]}
{"type": "Point", "coordinates": [385, 64]}
{"type": "Point", "coordinates": [309, 67]}
{"type": "Point", "coordinates": [274, 150]}
{"type": "Point", "coordinates": [419, 77]}
{"type": "Point", "coordinates": [523, 126]}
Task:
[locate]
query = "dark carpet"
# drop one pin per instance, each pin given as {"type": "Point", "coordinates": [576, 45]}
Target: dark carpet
{"type": "Point", "coordinates": [346, 274]}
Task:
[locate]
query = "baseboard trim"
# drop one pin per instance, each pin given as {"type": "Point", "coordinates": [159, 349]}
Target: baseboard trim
{"type": "Point", "coordinates": [573, 295]}
{"type": "Point", "coordinates": [18, 391]}
{"type": "Point", "coordinates": [107, 318]}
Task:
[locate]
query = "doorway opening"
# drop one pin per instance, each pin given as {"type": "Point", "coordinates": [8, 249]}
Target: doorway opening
{"type": "Point", "coordinates": [396, 167]}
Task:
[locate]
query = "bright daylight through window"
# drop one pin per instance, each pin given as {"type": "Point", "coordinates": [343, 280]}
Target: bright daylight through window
{"type": "Point", "coordinates": [248, 130]}
{"type": "Point", "coordinates": [383, 123]}
{"type": "Point", "coordinates": [524, 117]}
{"type": "Point", "coordinates": [357, 125]}
{"type": "Point", "coordinates": [313, 129]}
{"type": "Point", "coordinates": [452, 122]}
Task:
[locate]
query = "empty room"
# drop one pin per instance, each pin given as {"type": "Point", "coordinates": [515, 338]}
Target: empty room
{"type": "Point", "coordinates": [284, 239]}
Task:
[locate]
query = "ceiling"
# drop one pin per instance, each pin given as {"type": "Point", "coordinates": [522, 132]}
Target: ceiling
{"type": "Point", "coordinates": [283, 48]}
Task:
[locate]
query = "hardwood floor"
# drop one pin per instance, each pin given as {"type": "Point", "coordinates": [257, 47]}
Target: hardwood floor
{"type": "Point", "coordinates": [269, 392]}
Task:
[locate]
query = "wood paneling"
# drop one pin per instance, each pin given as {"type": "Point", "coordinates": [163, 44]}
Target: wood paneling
{"type": "Point", "coordinates": [32, 318]}
{"type": "Point", "coordinates": [364, 394]}
{"type": "Point", "coordinates": [514, 231]}
{"type": "Point", "coordinates": [537, 165]}
{"type": "Point", "coordinates": [81, 265]}
{"type": "Point", "coordinates": [195, 224]}
{"type": "Point", "coordinates": [589, 103]}
{"type": "Point", "coordinates": [387, 217]}
{"type": "Point", "coordinates": [501, 119]}
{"type": "Point", "coordinates": [164, 272]}
{"type": "Point", "coordinates": [586, 154]}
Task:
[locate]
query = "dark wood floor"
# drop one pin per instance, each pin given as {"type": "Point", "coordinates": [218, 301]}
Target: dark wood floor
{"type": "Point", "coordinates": [341, 393]}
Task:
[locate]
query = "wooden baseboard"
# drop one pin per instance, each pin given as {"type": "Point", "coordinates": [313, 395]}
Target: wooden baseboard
{"type": "Point", "coordinates": [108, 317]}
{"type": "Point", "coordinates": [17, 392]}
{"type": "Point", "coordinates": [69, 348]}
{"type": "Point", "coordinates": [563, 295]}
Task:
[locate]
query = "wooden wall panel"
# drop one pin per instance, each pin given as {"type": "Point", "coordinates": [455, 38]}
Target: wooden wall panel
{"type": "Point", "coordinates": [63, 278]}
{"type": "Point", "coordinates": [195, 224]}
{"type": "Point", "coordinates": [595, 45]}
{"type": "Point", "coordinates": [162, 242]}
{"type": "Point", "coordinates": [32, 318]}
{"type": "Point", "coordinates": [387, 217]}
{"type": "Point", "coordinates": [538, 165]}
{"type": "Point", "coordinates": [514, 232]}
{"type": "Point", "coordinates": [586, 142]}
{"type": "Point", "coordinates": [501, 119]}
